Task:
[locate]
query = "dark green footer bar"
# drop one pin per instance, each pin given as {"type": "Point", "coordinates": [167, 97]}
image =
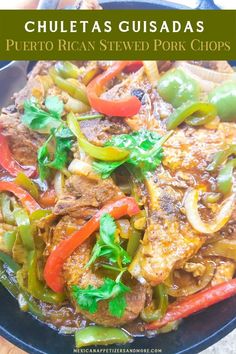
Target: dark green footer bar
{"type": "Point", "coordinates": [117, 34]}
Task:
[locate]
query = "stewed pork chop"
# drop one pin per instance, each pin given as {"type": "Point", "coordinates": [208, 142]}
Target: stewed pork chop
{"type": "Point", "coordinates": [169, 239]}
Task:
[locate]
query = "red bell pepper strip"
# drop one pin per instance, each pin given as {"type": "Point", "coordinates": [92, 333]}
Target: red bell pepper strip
{"type": "Point", "coordinates": [124, 107]}
{"type": "Point", "coordinates": [25, 198]}
{"type": "Point", "coordinates": [133, 66]}
{"type": "Point", "coordinates": [194, 303]}
{"type": "Point", "coordinates": [8, 162]}
{"type": "Point", "coordinates": [54, 264]}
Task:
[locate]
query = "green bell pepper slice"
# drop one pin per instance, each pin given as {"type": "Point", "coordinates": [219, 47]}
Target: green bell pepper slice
{"type": "Point", "coordinates": [5, 258]}
{"type": "Point", "coordinates": [224, 98]}
{"type": "Point", "coordinates": [159, 306]}
{"type": "Point", "coordinates": [71, 88]}
{"type": "Point", "coordinates": [225, 177]}
{"type": "Point", "coordinates": [24, 228]}
{"type": "Point", "coordinates": [97, 335]}
{"type": "Point", "coordinates": [23, 181]}
{"type": "Point", "coordinates": [204, 109]}
{"type": "Point", "coordinates": [177, 87]}
{"type": "Point", "coordinates": [220, 157]}
{"type": "Point", "coordinates": [9, 238]}
{"type": "Point", "coordinates": [36, 288]}
{"type": "Point", "coordinates": [67, 70]}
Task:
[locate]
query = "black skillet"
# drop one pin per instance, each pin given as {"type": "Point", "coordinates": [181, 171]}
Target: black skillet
{"type": "Point", "coordinates": [193, 335]}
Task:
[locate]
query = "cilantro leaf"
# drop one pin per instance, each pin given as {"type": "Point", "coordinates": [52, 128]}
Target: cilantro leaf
{"type": "Point", "coordinates": [112, 290]}
{"type": "Point", "coordinates": [36, 118]}
{"type": "Point", "coordinates": [43, 160]}
{"type": "Point", "coordinates": [145, 149]}
{"type": "Point", "coordinates": [60, 156]}
{"type": "Point", "coordinates": [106, 246]}
{"type": "Point", "coordinates": [55, 106]}
{"type": "Point", "coordinates": [105, 168]}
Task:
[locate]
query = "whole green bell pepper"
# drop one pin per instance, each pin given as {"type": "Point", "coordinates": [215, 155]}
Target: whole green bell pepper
{"type": "Point", "coordinates": [224, 98]}
{"type": "Point", "coordinates": [176, 87]}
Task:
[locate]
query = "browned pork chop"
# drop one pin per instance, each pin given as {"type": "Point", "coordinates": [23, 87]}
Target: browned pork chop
{"type": "Point", "coordinates": [82, 199]}
{"type": "Point", "coordinates": [75, 274]}
{"type": "Point", "coordinates": [24, 142]}
{"type": "Point", "coordinates": [170, 240]}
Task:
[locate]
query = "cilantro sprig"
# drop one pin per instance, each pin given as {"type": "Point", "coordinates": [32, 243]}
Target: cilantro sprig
{"type": "Point", "coordinates": [112, 290]}
{"type": "Point", "coordinates": [36, 118]}
{"type": "Point", "coordinates": [106, 246]}
{"type": "Point", "coordinates": [61, 138]}
{"type": "Point", "coordinates": [145, 149]}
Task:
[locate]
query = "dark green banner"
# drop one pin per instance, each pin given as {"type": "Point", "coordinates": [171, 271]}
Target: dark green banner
{"type": "Point", "coordinates": [117, 34]}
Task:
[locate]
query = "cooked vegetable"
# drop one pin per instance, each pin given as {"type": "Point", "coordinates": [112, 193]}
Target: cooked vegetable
{"type": "Point", "coordinates": [135, 237]}
{"type": "Point", "coordinates": [220, 157]}
{"type": "Point", "coordinates": [8, 162]}
{"type": "Point", "coordinates": [74, 88]}
{"type": "Point", "coordinates": [112, 290]}
{"type": "Point", "coordinates": [25, 198]}
{"type": "Point", "coordinates": [177, 87]}
{"type": "Point", "coordinates": [14, 289]}
{"type": "Point", "coordinates": [5, 258]}
{"type": "Point", "coordinates": [196, 284]}
{"type": "Point", "coordinates": [6, 209]}
{"type": "Point", "coordinates": [63, 143]}
{"type": "Point", "coordinates": [221, 248]}
{"type": "Point", "coordinates": [24, 228]}
{"type": "Point", "coordinates": [67, 70]}
{"type": "Point", "coordinates": [9, 239]}
{"type": "Point", "coordinates": [23, 181]}
{"type": "Point", "coordinates": [107, 153]}
{"type": "Point", "coordinates": [38, 119]}
{"type": "Point", "coordinates": [54, 264]}
{"type": "Point", "coordinates": [75, 106]}
{"type": "Point", "coordinates": [194, 303]}
{"type": "Point", "coordinates": [145, 152]}
{"type": "Point", "coordinates": [89, 116]}
{"type": "Point", "coordinates": [95, 335]}
{"type": "Point", "coordinates": [151, 70]}
{"type": "Point", "coordinates": [158, 307]}
{"type": "Point", "coordinates": [36, 287]}
{"type": "Point", "coordinates": [225, 177]}
{"type": "Point", "coordinates": [206, 112]}
{"type": "Point", "coordinates": [106, 246]}
{"type": "Point", "coordinates": [224, 98]}
{"type": "Point", "coordinates": [124, 107]}
{"type": "Point", "coordinates": [191, 209]}
{"type": "Point", "coordinates": [133, 66]}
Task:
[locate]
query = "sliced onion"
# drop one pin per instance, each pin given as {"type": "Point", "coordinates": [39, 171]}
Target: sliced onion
{"type": "Point", "coordinates": [59, 184]}
{"type": "Point", "coordinates": [222, 248]}
{"type": "Point", "coordinates": [207, 78]}
{"type": "Point", "coordinates": [76, 106]}
{"type": "Point", "coordinates": [196, 284]}
{"type": "Point", "coordinates": [82, 168]}
{"type": "Point", "coordinates": [194, 218]}
{"type": "Point", "coordinates": [151, 70]}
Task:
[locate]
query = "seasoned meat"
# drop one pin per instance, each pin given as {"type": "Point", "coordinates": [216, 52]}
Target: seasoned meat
{"type": "Point", "coordinates": [75, 274]}
{"type": "Point", "coordinates": [170, 240]}
{"type": "Point", "coordinates": [98, 131]}
{"type": "Point", "coordinates": [24, 143]}
{"type": "Point", "coordinates": [85, 196]}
